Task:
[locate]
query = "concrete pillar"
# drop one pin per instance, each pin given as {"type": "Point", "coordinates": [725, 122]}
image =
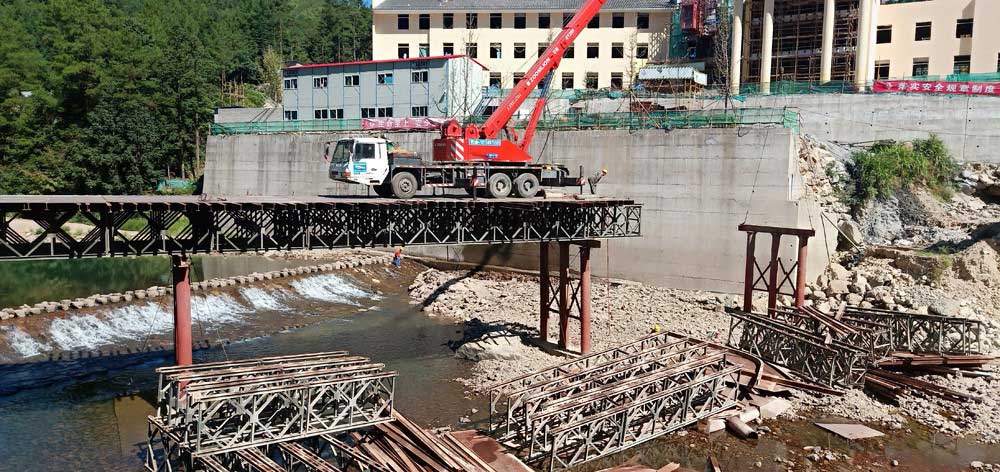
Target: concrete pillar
{"type": "Point", "coordinates": [736, 51]}
{"type": "Point", "coordinates": [767, 47]}
{"type": "Point", "coordinates": [864, 40]}
{"type": "Point", "coordinates": [829, 16]}
{"type": "Point", "coordinates": [872, 34]}
{"type": "Point", "coordinates": [182, 310]}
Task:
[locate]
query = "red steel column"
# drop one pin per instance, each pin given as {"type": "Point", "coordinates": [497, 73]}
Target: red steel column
{"type": "Point", "coordinates": [800, 273]}
{"type": "Point", "coordinates": [182, 310]}
{"type": "Point", "coordinates": [544, 287]}
{"type": "Point", "coordinates": [749, 276]}
{"type": "Point", "coordinates": [585, 341]}
{"type": "Point", "coordinates": [563, 294]}
{"type": "Point", "coordinates": [772, 285]}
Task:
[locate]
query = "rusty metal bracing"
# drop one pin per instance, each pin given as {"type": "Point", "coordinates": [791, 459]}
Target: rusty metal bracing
{"type": "Point", "coordinates": [919, 333]}
{"type": "Point", "coordinates": [609, 401]}
{"type": "Point", "coordinates": [170, 225]}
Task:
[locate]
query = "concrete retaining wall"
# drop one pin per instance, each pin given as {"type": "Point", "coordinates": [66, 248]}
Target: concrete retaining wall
{"type": "Point", "coordinates": [696, 185]}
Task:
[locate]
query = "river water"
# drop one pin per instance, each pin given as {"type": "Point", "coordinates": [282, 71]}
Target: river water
{"type": "Point", "coordinates": [80, 423]}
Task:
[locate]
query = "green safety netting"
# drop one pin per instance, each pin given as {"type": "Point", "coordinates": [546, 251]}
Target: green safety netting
{"type": "Point", "coordinates": [654, 120]}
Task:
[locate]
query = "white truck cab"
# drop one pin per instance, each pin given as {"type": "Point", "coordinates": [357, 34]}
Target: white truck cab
{"type": "Point", "coordinates": [362, 161]}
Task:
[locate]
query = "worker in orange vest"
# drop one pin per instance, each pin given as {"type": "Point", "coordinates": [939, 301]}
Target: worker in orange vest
{"type": "Point", "coordinates": [397, 257]}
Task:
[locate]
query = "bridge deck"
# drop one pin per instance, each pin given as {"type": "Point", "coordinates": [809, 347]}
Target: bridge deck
{"type": "Point", "coordinates": [144, 225]}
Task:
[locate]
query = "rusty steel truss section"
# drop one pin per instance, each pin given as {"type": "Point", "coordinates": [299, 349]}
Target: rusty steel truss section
{"type": "Point", "coordinates": [873, 338]}
{"type": "Point", "coordinates": [215, 409]}
{"type": "Point", "coordinates": [193, 224]}
{"type": "Point", "coordinates": [919, 333]}
{"type": "Point", "coordinates": [819, 359]}
{"type": "Point", "coordinates": [651, 386]}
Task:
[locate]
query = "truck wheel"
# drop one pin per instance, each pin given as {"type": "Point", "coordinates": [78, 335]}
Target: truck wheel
{"type": "Point", "coordinates": [498, 186]}
{"type": "Point", "coordinates": [526, 185]}
{"type": "Point", "coordinates": [404, 185]}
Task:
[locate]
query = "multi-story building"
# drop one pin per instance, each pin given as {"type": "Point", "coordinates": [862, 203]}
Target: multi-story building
{"type": "Point", "coordinates": [439, 86]}
{"type": "Point", "coordinates": [508, 35]}
{"type": "Point", "coordinates": [860, 40]}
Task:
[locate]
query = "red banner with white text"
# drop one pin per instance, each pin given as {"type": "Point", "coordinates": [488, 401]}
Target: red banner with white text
{"type": "Point", "coordinates": [934, 86]}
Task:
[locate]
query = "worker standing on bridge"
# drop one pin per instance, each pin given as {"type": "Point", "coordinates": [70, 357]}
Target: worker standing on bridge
{"type": "Point", "coordinates": [397, 257]}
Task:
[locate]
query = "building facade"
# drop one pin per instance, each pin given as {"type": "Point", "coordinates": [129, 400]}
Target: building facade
{"type": "Point", "coordinates": [508, 35]}
{"type": "Point", "coordinates": [860, 40]}
{"type": "Point", "coordinates": [436, 87]}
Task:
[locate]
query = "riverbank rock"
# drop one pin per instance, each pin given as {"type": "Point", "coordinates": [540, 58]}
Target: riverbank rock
{"type": "Point", "coordinates": [496, 346]}
{"type": "Point", "coordinates": [979, 262]}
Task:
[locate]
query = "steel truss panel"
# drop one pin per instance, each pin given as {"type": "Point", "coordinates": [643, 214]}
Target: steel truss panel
{"type": "Point", "coordinates": [918, 333]}
{"type": "Point", "coordinates": [626, 426]}
{"type": "Point", "coordinates": [873, 338]}
{"type": "Point", "coordinates": [831, 364]}
{"type": "Point", "coordinates": [194, 225]}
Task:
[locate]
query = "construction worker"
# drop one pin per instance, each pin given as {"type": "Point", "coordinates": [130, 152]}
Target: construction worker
{"type": "Point", "coordinates": [397, 257]}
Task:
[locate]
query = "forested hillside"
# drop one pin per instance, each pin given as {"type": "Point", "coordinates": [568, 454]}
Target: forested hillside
{"type": "Point", "coordinates": [111, 96]}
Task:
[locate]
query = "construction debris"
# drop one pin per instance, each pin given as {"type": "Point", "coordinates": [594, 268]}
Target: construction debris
{"type": "Point", "coordinates": [850, 431]}
{"type": "Point", "coordinates": [606, 402]}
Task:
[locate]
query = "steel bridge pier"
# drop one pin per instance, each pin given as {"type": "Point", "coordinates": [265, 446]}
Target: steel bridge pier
{"type": "Point", "coordinates": [567, 295]}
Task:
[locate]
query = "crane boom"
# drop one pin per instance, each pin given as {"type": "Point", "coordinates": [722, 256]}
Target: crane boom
{"type": "Point", "coordinates": [546, 63]}
{"type": "Point", "coordinates": [484, 144]}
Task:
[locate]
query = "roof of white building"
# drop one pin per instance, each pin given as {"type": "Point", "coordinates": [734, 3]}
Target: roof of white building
{"type": "Point", "coordinates": [383, 61]}
{"type": "Point", "coordinates": [517, 5]}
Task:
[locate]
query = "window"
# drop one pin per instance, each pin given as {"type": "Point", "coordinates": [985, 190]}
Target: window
{"type": "Point", "coordinates": [567, 81]}
{"type": "Point", "coordinates": [998, 62]}
{"type": "Point", "coordinates": [616, 81]}
{"type": "Point", "coordinates": [291, 84]}
{"type": "Point", "coordinates": [642, 51]}
{"type": "Point", "coordinates": [591, 81]}
{"type": "Point", "coordinates": [385, 78]}
{"type": "Point", "coordinates": [541, 48]}
{"type": "Point", "coordinates": [520, 21]}
{"type": "Point", "coordinates": [337, 114]}
{"type": "Point", "coordinates": [963, 29]}
{"type": "Point", "coordinates": [496, 51]}
{"type": "Point", "coordinates": [570, 52]}
{"type": "Point", "coordinates": [291, 115]}
{"type": "Point", "coordinates": [418, 77]}
{"type": "Point", "coordinates": [489, 110]}
{"type": "Point", "coordinates": [472, 20]}
{"type": "Point", "coordinates": [617, 20]}
{"type": "Point", "coordinates": [496, 80]}
{"type": "Point", "coordinates": [385, 112]}
{"type": "Point", "coordinates": [567, 17]}
{"type": "Point", "coordinates": [403, 22]}
{"type": "Point", "coordinates": [593, 50]}
{"type": "Point", "coordinates": [883, 35]}
{"type": "Point", "coordinates": [321, 114]}
{"type": "Point", "coordinates": [424, 21]}
{"type": "Point", "coordinates": [448, 21]}
{"type": "Point", "coordinates": [923, 31]}
{"type": "Point", "coordinates": [352, 80]}
{"type": "Point", "coordinates": [520, 50]}
{"type": "Point", "coordinates": [518, 77]}
{"type": "Point", "coordinates": [496, 20]}
{"type": "Point", "coordinates": [642, 21]}
{"type": "Point", "coordinates": [962, 64]}
{"type": "Point", "coordinates": [472, 50]}
{"type": "Point", "coordinates": [368, 113]}
{"type": "Point", "coordinates": [403, 51]}
{"type": "Point", "coordinates": [424, 50]}
{"type": "Point", "coordinates": [544, 21]}
{"type": "Point", "coordinates": [617, 50]}
{"type": "Point", "coordinates": [418, 111]}
{"type": "Point", "coordinates": [595, 22]}
{"type": "Point", "coordinates": [319, 82]}
{"type": "Point", "coordinates": [881, 70]}
{"type": "Point", "coordinates": [920, 66]}
{"type": "Point", "coordinates": [448, 49]}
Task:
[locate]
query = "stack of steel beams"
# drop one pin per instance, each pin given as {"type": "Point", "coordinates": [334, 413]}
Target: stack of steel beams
{"type": "Point", "coordinates": [606, 402]}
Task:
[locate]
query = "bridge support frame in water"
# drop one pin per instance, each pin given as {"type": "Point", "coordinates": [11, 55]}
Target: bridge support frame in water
{"type": "Point", "coordinates": [181, 271]}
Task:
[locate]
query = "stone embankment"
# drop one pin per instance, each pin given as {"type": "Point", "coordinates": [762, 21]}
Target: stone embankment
{"type": "Point", "coordinates": [346, 262]}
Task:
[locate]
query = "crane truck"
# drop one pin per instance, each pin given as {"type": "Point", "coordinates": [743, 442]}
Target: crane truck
{"type": "Point", "coordinates": [491, 159]}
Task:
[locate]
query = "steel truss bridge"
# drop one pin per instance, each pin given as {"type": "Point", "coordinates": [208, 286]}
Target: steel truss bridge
{"type": "Point", "coordinates": [151, 225]}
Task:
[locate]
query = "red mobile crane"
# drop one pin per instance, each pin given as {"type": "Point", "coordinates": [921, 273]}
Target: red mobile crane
{"type": "Point", "coordinates": [477, 158]}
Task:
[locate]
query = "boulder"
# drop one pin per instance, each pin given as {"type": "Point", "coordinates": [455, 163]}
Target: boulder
{"type": "Point", "coordinates": [501, 347]}
{"type": "Point", "coordinates": [979, 262]}
{"type": "Point", "coordinates": [839, 272]}
{"type": "Point", "coordinates": [838, 287]}
{"type": "Point", "coordinates": [945, 307]}
{"type": "Point", "coordinates": [850, 235]}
